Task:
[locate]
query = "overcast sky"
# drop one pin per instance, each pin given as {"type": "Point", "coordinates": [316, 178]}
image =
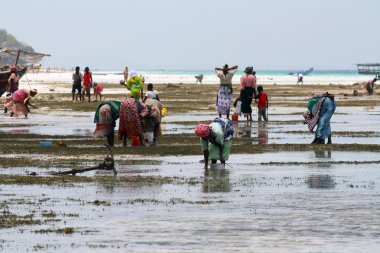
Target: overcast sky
{"type": "Point", "coordinates": [199, 34]}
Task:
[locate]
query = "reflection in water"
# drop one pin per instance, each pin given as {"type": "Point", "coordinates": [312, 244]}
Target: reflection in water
{"type": "Point", "coordinates": [247, 130]}
{"type": "Point", "coordinates": [19, 131]}
{"type": "Point", "coordinates": [216, 180]}
{"type": "Point", "coordinates": [320, 181]}
{"type": "Point", "coordinates": [322, 154]}
{"type": "Point", "coordinates": [262, 133]}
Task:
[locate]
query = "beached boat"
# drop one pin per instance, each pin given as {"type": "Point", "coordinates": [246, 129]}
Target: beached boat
{"type": "Point", "coordinates": [23, 60]}
{"type": "Point", "coordinates": [304, 72]}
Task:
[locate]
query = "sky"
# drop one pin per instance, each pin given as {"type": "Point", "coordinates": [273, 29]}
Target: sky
{"type": "Point", "coordinates": [199, 34]}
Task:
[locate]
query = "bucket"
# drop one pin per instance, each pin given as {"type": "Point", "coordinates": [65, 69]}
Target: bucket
{"type": "Point", "coordinates": [135, 142]}
{"type": "Point", "coordinates": [235, 117]}
{"type": "Point", "coordinates": [217, 166]}
{"type": "Point", "coordinates": [164, 111]}
{"type": "Point", "coordinates": [148, 137]}
{"type": "Point", "coordinates": [46, 144]}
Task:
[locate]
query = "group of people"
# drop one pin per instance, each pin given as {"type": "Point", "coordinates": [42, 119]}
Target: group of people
{"type": "Point", "coordinates": [136, 115]}
{"type": "Point", "coordinates": [17, 100]}
{"type": "Point", "coordinates": [216, 138]}
{"type": "Point", "coordinates": [82, 84]}
{"type": "Point", "coordinates": [249, 91]}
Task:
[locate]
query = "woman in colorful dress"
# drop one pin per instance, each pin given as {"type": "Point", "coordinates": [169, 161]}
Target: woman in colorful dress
{"type": "Point", "coordinates": [152, 123]}
{"type": "Point", "coordinates": [223, 100]}
{"type": "Point", "coordinates": [320, 110]}
{"type": "Point", "coordinates": [132, 111]}
{"type": "Point", "coordinates": [247, 92]}
{"type": "Point", "coordinates": [135, 84]}
{"type": "Point", "coordinates": [216, 140]}
{"type": "Point", "coordinates": [105, 118]}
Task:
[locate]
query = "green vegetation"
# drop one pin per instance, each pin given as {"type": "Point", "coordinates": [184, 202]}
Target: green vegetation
{"type": "Point", "coordinates": [8, 40]}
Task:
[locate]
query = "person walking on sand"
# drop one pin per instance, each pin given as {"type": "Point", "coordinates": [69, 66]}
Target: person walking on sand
{"type": "Point", "coordinates": [77, 84]}
{"type": "Point", "coordinates": [262, 104]}
{"type": "Point", "coordinates": [216, 140]}
{"type": "Point", "coordinates": [247, 92]}
{"type": "Point", "coordinates": [87, 83]}
{"type": "Point", "coordinates": [320, 110]}
{"type": "Point", "coordinates": [370, 85]}
{"type": "Point", "coordinates": [223, 99]}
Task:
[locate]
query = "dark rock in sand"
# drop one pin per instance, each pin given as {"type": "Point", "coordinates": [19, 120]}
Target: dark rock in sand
{"type": "Point", "coordinates": [170, 85]}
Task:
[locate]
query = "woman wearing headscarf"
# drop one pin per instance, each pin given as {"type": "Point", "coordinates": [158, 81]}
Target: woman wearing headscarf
{"type": "Point", "coordinates": [132, 111]}
{"type": "Point", "coordinates": [320, 110]}
{"type": "Point", "coordinates": [20, 101]}
{"type": "Point", "coordinates": [105, 118]}
{"type": "Point", "coordinates": [135, 84]}
{"type": "Point", "coordinates": [152, 123]}
{"type": "Point", "coordinates": [223, 100]}
{"type": "Point", "coordinates": [215, 140]}
{"type": "Point", "coordinates": [247, 92]}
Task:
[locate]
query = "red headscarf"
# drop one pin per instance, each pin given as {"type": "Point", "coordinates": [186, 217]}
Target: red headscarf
{"type": "Point", "coordinates": [202, 130]}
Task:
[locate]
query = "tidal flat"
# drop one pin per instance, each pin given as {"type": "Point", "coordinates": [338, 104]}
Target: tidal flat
{"type": "Point", "coordinates": [278, 193]}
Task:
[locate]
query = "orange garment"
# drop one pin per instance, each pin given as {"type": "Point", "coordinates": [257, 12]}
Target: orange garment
{"type": "Point", "coordinates": [87, 76]}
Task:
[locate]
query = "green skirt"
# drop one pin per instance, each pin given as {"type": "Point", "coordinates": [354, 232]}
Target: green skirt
{"type": "Point", "coordinates": [214, 150]}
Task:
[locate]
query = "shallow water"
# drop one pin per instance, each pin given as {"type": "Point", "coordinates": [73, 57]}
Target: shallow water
{"type": "Point", "coordinates": [280, 129]}
{"type": "Point", "coordinates": [317, 207]}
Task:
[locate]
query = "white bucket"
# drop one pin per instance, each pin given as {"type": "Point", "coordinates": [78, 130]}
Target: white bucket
{"type": "Point", "coordinates": [148, 137]}
{"type": "Point", "coordinates": [217, 166]}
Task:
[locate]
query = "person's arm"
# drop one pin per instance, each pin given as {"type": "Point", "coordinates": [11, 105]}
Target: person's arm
{"type": "Point", "coordinates": [144, 99]}
{"type": "Point", "coordinates": [218, 68]}
{"type": "Point", "coordinates": [233, 67]}
{"type": "Point", "coordinates": [267, 100]}
{"type": "Point", "coordinates": [158, 99]}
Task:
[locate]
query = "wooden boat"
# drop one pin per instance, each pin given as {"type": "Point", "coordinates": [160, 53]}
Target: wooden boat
{"type": "Point", "coordinates": [23, 60]}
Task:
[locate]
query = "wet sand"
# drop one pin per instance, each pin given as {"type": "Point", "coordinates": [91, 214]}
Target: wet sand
{"type": "Point", "coordinates": [283, 195]}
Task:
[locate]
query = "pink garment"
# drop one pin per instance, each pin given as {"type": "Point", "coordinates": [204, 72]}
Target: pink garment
{"type": "Point", "coordinates": [19, 96]}
{"type": "Point", "coordinates": [247, 81]}
{"type": "Point", "coordinates": [98, 89]}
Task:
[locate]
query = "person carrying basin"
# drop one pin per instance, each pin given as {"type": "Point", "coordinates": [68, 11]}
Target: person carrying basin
{"type": "Point", "coordinates": [215, 140]}
{"type": "Point", "coordinates": [224, 97]}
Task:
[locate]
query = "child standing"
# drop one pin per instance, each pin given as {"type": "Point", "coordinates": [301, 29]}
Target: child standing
{"type": "Point", "coordinates": [153, 94]}
{"type": "Point", "coordinates": [98, 88]}
{"type": "Point", "coordinates": [262, 104]}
